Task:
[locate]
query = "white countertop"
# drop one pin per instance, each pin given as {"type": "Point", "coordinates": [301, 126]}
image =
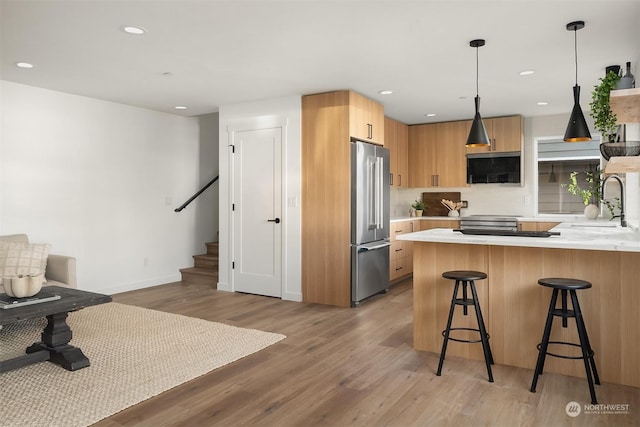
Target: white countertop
{"type": "Point", "coordinates": [592, 235]}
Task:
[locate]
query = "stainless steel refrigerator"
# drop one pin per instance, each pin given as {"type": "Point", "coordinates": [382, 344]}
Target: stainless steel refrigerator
{"type": "Point", "coordinates": [369, 220]}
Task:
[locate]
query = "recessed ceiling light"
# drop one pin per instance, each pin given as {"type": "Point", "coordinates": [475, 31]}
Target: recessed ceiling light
{"type": "Point", "coordinates": [543, 103]}
{"type": "Point", "coordinates": [527, 72]}
{"type": "Point", "coordinates": [180, 107]}
{"type": "Point", "coordinates": [430, 114]}
{"type": "Point", "coordinates": [24, 65]}
{"type": "Point", "coordinates": [385, 92]}
{"type": "Point", "coordinates": [132, 29]}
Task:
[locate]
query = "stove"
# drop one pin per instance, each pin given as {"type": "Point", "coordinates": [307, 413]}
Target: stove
{"type": "Point", "coordinates": [497, 225]}
{"type": "Point", "coordinates": [489, 222]}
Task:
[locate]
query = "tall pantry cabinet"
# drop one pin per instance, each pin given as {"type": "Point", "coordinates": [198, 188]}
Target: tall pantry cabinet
{"type": "Point", "coordinates": [329, 120]}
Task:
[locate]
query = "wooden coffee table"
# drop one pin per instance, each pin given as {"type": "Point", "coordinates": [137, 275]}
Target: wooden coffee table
{"type": "Point", "coordinates": [54, 346]}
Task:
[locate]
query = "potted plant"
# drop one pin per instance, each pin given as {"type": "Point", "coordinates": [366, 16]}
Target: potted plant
{"type": "Point", "coordinates": [591, 194]}
{"type": "Point", "coordinates": [604, 119]}
{"type": "Point", "coordinates": [419, 206]}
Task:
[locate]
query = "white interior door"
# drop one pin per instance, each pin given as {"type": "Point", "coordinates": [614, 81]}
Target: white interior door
{"type": "Point", "coordinates": [257, 212]}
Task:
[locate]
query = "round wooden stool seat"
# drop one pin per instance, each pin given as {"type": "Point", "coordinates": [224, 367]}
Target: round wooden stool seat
{"type": "Point", "coordinates": [563, 283]}
{"type": "Point", "coordinates": [465, 275]}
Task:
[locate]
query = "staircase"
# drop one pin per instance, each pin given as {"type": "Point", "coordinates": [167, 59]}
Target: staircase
{"type": "Point", "coordinates": [205, 268]}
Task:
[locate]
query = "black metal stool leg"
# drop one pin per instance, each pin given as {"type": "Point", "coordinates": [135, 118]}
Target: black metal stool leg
{"type": "Point", "coordinates": [465, 310]}
{"type": "Point", "coordinates": [479, 311]}
{"type": "Point", "coordinates": [587, 354]}
{"type": "Point", "coordinates": [488, 357]}
{"type": "Point", "coordinates": [542, 353]}
{"type": "Point", "coordinates": [447, 330]}
{"type": "Point", "coordinates": [563, 292]}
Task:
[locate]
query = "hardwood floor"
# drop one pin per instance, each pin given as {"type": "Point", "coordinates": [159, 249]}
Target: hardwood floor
{"type": "Point", "coordinates": [341, 367]}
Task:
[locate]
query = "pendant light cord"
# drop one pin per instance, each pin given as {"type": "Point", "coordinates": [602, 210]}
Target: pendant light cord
{"type": "Point", "coordinates": [575, 49]}
{"type": "Point", "coordinates": [477, 70]}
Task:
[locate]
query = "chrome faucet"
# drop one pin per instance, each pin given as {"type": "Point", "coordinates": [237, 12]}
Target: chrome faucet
{"type": "Point", "coordinates": [623, 221]}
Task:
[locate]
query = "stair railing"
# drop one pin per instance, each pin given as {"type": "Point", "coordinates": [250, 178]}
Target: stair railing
{"type": "Point", "coordinates": [192, 198]}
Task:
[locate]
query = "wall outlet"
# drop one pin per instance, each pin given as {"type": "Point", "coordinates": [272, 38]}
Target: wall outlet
{"type": "Point", "coordinates": [465, 204]}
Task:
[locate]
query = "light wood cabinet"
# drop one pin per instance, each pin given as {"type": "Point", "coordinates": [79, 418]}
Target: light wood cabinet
{"type": "Point", "coordinates": [429, 224]}
{"type": "Point", "coordinates": [401, 255]}
{"type": "Point", "coordinates": [437, 154]}
{"type": "Point", "coordinates": [505, 133]}
{"type": "Point", "coordinates": [327, 124]}
{"type": "Point", "coordinates": [396, 139]}
{"type": "Point", "coordinates": [536, 225]}
{"type": "Point", "coordinates": [366, 119]}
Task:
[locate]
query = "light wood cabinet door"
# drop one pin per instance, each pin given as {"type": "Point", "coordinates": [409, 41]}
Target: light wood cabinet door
{"type": "Point", "coordinates": [391, 142]}
{"type": "Point", "coordinates": [428, 224]}
{"type": "Point", "coordinates": [422, 155]}
{"type": "Point", "coordinates": [366, 119]}
{"type": "Point", "coordinates": [451, 163]}
{"type": "Point", "coordinates": [403, 155]}
{"type": "Point", "coordinates": [505, 133]}
{"type": "Point", "coordinates": [396, 139]}
{"type": "Point", "coordinates": [536, 225]}
{"type": "Point", "coordinates": [401, 256]}
{"type": "Point", "coordinates": [437, 154]}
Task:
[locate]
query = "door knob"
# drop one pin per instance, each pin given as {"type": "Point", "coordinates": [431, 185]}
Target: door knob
{"type": "Point", "coordinates": [277, 220]}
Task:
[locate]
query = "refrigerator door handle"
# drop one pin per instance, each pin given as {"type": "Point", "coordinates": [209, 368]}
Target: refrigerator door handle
{"type": "Point", "coordinates": [379, 189]}
{"type": "Point", "coordinates": [371, 195]}
{"type": "Point", "coordinates": [374, 247]}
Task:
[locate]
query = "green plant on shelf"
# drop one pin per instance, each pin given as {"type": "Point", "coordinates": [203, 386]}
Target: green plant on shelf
{"type": "Point", "coordinates": [604, 119]}
{"type": "Point", "coordinates": [419, 205]}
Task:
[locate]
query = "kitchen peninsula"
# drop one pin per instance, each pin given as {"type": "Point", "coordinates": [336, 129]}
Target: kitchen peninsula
{"type": "Point", "coordinates": [515, 306]}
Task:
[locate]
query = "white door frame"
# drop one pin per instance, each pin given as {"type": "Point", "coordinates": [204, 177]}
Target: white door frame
{"type": "Point", "coordinates": [258, 123]}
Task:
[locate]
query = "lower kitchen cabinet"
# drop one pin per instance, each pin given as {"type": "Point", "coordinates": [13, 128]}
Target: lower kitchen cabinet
{"type": "Point", "coordinates": [536, 225]}
{"type": "Point", "coordinates": [428, 224]}
{"type": "Point", "coordinates": [401, 255]}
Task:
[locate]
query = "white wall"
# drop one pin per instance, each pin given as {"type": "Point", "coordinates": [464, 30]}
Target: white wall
{"type": "Point", "coordinates": [99, 181]}
{"type": "Point", "coordinates": [206, 205]}
{"type": "Point", "coordinates": [281, 109]}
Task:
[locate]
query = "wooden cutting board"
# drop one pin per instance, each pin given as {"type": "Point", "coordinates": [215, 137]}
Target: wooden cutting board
{"type": "Point", "coordinates": [434, 207]}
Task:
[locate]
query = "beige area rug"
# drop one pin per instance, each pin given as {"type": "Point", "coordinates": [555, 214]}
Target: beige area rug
{"type": "Point", "coordinates": [135, 353]}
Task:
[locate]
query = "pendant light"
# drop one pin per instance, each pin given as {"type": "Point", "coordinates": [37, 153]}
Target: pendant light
{"type": "Point", "coordinates": [577, 130]}
{"type": "Point", "coordinates": [478, 135]}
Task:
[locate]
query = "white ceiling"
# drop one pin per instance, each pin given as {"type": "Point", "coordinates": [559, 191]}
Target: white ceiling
{"type": "Point", "coordinates": [227, 52]}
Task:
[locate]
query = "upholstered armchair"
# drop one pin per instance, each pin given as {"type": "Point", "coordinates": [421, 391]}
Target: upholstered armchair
{"type": "Point", "coordinates": [60, 270]}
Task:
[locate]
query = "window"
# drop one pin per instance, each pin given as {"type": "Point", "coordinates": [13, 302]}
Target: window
{"type": "Point", "coordinates": [556, 160]}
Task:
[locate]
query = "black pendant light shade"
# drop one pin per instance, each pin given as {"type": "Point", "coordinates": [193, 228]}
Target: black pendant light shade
{"type": "Point", "coordinates": [478, 135]}
{"type": "Point", "coordinates": [577, 130]}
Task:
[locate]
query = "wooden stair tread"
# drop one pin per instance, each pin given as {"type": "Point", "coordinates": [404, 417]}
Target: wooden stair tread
{"type": "Point", "coordinates": [200, 271]}
{"type": "Point", "coordinates": [206, 256]}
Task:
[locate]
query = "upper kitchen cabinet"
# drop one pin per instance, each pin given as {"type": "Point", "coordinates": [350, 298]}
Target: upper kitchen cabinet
{"type": "Point", "coordinates": [505, 133]}
{"type": "Point", "coordinates": [396, 139]}
{"type": "Point", "coordinates": [437, 154]}
{"type": "Point", "coordinates": [366, 119]}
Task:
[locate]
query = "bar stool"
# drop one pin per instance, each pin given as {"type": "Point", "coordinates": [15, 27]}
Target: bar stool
{"type": "Point", "coordinates": [467, 278]}
{"type": "Point", "coordinates": [565, 285]}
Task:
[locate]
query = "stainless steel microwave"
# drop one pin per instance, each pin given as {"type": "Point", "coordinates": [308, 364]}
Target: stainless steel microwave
{"type": "Point", "coordinates": [496, 167]}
